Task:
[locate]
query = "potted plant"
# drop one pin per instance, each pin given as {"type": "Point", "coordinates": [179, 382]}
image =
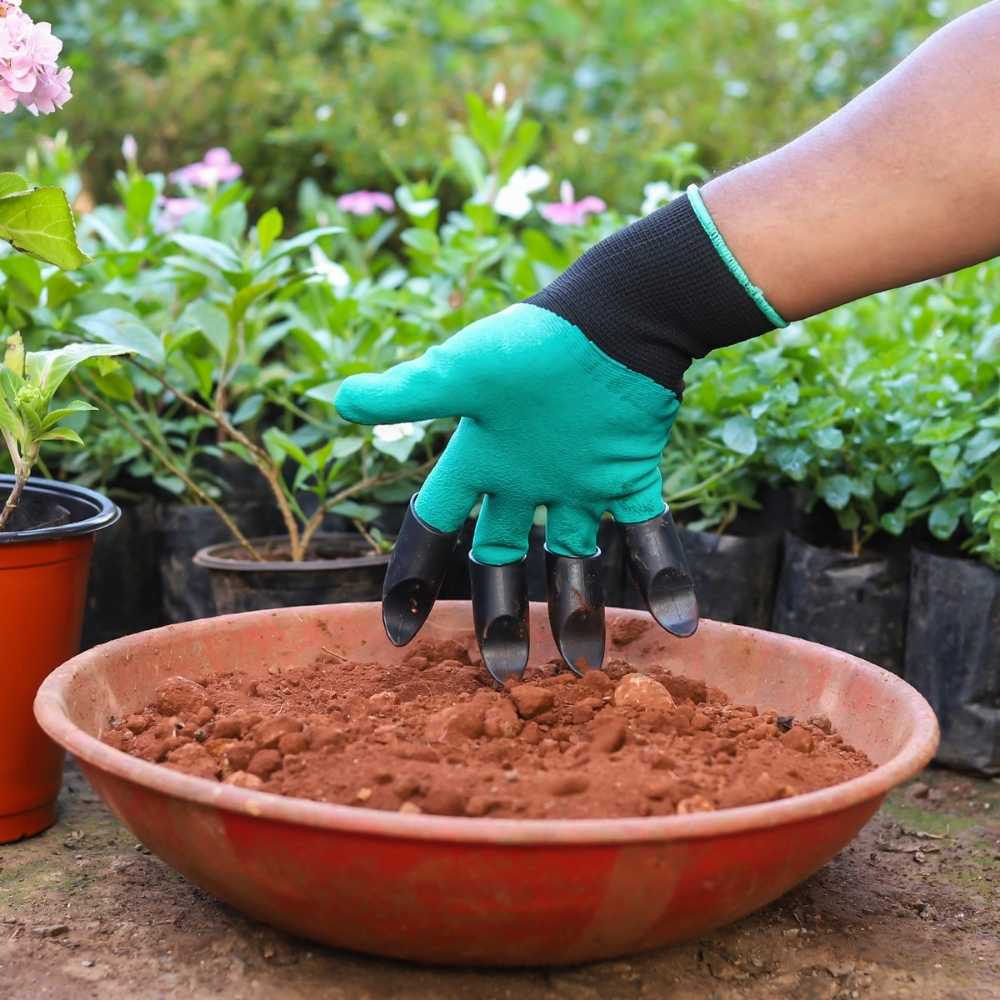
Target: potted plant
{"type": "Point", "coordinates": [46, 538]}
{"type": "Point", "coordinates": [46, 528]}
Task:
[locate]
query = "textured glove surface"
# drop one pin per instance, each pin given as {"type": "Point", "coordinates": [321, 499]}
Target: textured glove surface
{"type": "Point", "coordinates": [547, 419]}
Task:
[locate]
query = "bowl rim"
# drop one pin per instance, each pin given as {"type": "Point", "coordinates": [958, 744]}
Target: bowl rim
{"type": "Point", "coordinates": [52, 715]}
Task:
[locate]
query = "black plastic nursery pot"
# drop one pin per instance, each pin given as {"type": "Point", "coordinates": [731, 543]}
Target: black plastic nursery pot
{"type": "Point", "coordinates": [340, 568]}
{"type": "Point", "coordinates": [124, 595]}
{"type": "Point", "coordinates": [184, 530]}
{"type": "Point", "coordinates": [44, 563]}
{"type": "Point", "coordinates": [854, 603]}
{"type": "Point", "coordinates": [953, 655]}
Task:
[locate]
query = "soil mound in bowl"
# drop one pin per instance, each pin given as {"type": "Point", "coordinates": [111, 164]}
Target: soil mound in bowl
{"type": "Point", "coordinates": [435, 735]}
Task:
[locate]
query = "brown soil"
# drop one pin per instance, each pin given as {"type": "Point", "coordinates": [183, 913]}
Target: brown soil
{"type": "Point", "coordinates": [436, 736]}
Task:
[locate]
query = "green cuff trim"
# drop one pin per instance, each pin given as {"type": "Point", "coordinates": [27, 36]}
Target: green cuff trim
{"type": "Point", "coordinates": [722, 248]}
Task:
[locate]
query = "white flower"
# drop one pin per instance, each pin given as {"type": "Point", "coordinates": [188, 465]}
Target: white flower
{"type": "Point", "coordinates": [130, 149]}
{"type": "Point", "coordinates": [512, 200]}
{"type": "Point", "coordinates": [787, 30]}
{"type": "Point", "coordinates": [736, 88]}
{"type": "Point", "coordinates": [656, 195]}
{"type": "Point", "coordinates": [330, 269]}
{"type": "Point", "coordinates": [500, 95]}
{"type": "Point", "coordinates": [394, 432]}
{"type": "Point", "coordinates": [400, 118]}
{"type": "Point", "coordinates": [323, 113]}
{"type": "Point", "coordinates": [581, 136]}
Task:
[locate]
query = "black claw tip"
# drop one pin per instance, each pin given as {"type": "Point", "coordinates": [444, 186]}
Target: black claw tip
{"type": "Point", "coordinates": [576, 609]}
{"type": "Point", "coordinates": [500, 614]}
{"type": "Point", "coordinates": [656, 558]}
{"type": "Point", "coordinates": [672, 602]}
{"type": "Point", "coordinates": [504, 645]}
{"type": "Point", "coordinates": [414, 576]}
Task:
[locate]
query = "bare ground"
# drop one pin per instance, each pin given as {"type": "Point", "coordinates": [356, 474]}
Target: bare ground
{"type": "Point", "coordinates": [910, 909]}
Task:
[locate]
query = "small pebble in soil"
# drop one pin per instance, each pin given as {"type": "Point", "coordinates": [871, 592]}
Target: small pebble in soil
{"type": "Point", "coordinates": [435, 737]}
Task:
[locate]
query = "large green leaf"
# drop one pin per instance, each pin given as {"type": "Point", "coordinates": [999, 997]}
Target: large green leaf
{"type": "Point", "coordinates": [12, 184]}
{"type": "Point", "coordinates": [40, 224]}
{"type": "Point", "coordinates": [116, 326]}
{"type": "Point", "coordinates": [215, 253]}
{"type": "Point", "coordinates": [47, 369]}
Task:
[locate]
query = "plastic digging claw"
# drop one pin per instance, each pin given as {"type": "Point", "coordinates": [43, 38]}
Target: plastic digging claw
{"type": "Point", "coordinates": [500, 593]}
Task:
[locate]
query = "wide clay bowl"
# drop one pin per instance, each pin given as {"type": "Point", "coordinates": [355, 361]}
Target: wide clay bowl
{"type": "Point", "coordinates": [484, 891]}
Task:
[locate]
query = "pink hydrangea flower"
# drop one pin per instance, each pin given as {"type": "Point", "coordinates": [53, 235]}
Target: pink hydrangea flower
{"type": "Point", "coordinates": [29, 74]}
{"type": "Point", "coordinates": [173, 210]}
{"type": "Point", "coordinates": [365, 202]}
{"type": "Point", "coordinates": [217, 166]}
{"type": "Point", "coordinates": [570, 212]}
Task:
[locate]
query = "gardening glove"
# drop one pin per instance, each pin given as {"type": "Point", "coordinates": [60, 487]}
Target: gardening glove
{"type": "Point", "coordinates": [566, 401]}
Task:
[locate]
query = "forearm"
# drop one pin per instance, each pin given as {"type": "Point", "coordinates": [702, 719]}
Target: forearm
{"type": "Point", "coordinates": [901, 184]}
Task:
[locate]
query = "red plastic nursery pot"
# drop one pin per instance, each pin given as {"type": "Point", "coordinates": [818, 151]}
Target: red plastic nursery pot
{"type": "Point", "coordinates": [44, 562]}
{"type": "Point", "coordinates": [484, 891]}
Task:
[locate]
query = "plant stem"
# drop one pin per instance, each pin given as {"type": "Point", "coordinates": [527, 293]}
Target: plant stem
{"type": "Point", "coordinates": [170, 464]}
{"type": "Point", "coordinates": [259, 456]}
{"type": "Point", "coordinates": [314, 522]}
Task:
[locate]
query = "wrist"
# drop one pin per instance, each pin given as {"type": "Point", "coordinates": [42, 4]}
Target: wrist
{"type": "Point", "coordinates": [661, 292]}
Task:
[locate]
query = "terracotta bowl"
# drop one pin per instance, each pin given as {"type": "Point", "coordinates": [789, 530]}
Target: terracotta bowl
{"type": "Point", "coordinates": [484, 891]}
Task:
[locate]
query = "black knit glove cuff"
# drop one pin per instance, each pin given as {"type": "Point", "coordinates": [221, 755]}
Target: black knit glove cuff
{"type": "Point", "coordinates": [661, 292]}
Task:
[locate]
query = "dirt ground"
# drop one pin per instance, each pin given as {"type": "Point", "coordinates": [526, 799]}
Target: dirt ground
{"type": "Point", "coordinates": [910, 909]}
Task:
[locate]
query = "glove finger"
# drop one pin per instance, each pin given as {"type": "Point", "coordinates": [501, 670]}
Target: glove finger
{"type": "Point", "coordinates": [641, 501]}
{"type": "Point", "coordinates": [575, 586]}
{"type": "Point", "coordinates": [571, 531]}
{"type": "Point", "coordinates": [427, 387]}
{"type": "Point", "coordinates": [502, 529]}
{"type": "Point", "coordinates": [451, 490]}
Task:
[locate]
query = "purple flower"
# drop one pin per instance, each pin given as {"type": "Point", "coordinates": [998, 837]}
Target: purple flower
{"type": "Point", "coordinates": [173, 210]}
{"type": "Point", "coordinates": [215, 167]}
{"type": "Point", "coordinates": [569, 212]}
{"type": "Point", "coordinates": [365, 202]}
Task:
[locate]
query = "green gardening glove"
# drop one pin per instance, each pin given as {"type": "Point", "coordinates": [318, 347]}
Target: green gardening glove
{"type": "Point", "coordinates": [566, 401]}
{"type": "Point", "coordinates": [548, 419]}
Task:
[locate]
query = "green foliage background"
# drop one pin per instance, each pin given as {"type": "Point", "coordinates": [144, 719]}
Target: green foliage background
{"type": "Point", "coordinates": [330, 90]}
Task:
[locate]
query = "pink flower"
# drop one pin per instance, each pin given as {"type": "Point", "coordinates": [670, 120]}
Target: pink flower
{"type": "Point", "coordinates": [51, 92]}
{"type": "Point", "coordinates": [567, 211]}
{"type": "Point", "coordinates": [215, 167]}
{"type": "Point", "coordinates": [28, 70]}
{"type": "Point", "coordinates": [173, 210]}
{"type": "Point", "coordinates": [365, 202]}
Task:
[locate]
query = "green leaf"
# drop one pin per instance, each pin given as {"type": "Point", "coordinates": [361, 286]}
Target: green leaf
{"type": "Point", "coordinates": [12, 184]}
{"type": "Point", "coordinates": [54, 416]}
{"type": "Point", "coordinates": [211, 322]}
{"type": "Point", "coordinates": [269, 227]}
{"type": "Point", "coordinates": [943, 431]}
{"type": "Point", "coordinates": [470, 158]}
{"type": "Point", "coordinates": [13, 358]}
{"type": "Point", "coordinates": [61, 434]}
{"type": "Point", "coordinates": [114, 385]}
{"type": "Point", "coordinates": [48, 369]}
{"type": "Point", "coordinates": [248, 409]}
{"type": "Point", "coordinates": [739, 435]}
{"type": "Point", "coordinates": [836, 491]}
{"type": "Point", "coordinates": [279, 444]}
{"type": "Point", "coordinates": [40, 224]}
{"type": "Point", "coordinates": [212, 251]}
{"type": "Point", "coordinates": [829, 438]}
{"type": "Point", "coordinates": [326, 392]}
{"type": "Point", "coordinates": [893, 522]}
{"type": "Point", "coordinates": [301, 242]}
{"type": "Point", "coordinates": [125, 329]}
{"type": "Point", "coordinates": [945, 516]}
{"type": "Point", "coordinates": [422, 240]}
{"type": "Point", "coordinates": [344, 446]}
